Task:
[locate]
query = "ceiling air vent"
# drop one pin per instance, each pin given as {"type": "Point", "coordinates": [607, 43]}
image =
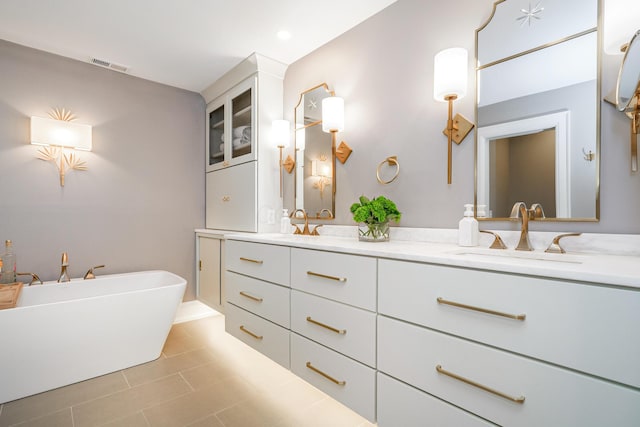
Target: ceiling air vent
{"type": "Point", "coordinates": [109, 65]}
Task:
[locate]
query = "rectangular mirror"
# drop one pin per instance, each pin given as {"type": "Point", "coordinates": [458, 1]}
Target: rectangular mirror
{"type": "Point", "coordinates": [538, 109]}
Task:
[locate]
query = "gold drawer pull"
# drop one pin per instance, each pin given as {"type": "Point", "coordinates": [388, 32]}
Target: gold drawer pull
{"type": "Point", "coordinates": [331, 328]}
{"type": "Point", "coordinates": [251, 260]}
{"type": "Point", "coordinates": [329, 377]}
{"type": "Point", "coordinates": [246, 331]}
{"type": "Point", "coordinates": [324, 276]}
{"type": "Point", "coordinates": [246, 295]}
{"type": "Point", "coordinates": [520, 317]}
{"type": "Point", "coordinates": [519, 399]}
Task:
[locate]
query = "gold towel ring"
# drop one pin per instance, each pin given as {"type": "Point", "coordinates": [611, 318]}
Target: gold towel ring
{"type": "Point", "coordinates": [393, 160]}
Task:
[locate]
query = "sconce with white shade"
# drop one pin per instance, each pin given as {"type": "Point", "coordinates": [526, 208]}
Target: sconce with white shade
{"type": "Point", "coordinates": [333, 122]}
{"type": "Point", "coordinates": [280, 137]}
{"type": "Point", "coordinates": [449, 84]}
{"type": "Point", "coordinates": [59, 137]}
{"type": "Point", "coordinates": [321, 170]}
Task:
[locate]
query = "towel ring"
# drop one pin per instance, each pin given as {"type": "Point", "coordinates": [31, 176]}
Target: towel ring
{"type": "Point", "coordinates": [392, 160]}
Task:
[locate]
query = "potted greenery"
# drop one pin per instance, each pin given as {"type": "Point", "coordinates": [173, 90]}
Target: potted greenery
{"type": "Point", "coordinates": [373, 217]}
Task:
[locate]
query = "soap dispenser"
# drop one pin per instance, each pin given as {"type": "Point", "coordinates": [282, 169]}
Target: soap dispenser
{"type": "Point", "coordinates": [285, 222]}
{"type": "Point", "coordinates": [468, 228]}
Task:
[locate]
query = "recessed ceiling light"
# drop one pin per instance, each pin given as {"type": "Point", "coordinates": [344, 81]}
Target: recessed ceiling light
{"type": "Point", "coordinates": [284, 35]}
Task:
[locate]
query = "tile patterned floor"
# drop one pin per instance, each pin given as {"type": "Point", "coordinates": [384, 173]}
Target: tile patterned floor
{"type": "Point", "coordinates": [204, 378]}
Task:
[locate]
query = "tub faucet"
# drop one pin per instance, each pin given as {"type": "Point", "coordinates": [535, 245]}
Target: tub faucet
{"type": "Point", "coordinates": [34, 278]}
{"type": "Point", "coordinates": [89, 274]}
{"type": "Point", "coordinates": [64, 275]}
{"type": "Point", "coordinates": [520, 210]}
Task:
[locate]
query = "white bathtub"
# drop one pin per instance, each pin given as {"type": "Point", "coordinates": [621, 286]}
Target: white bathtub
{"type": "Point", "coordinates": [60, 334]}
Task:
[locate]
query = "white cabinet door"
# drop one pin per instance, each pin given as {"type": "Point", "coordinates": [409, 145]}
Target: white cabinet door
{"type": "Point", "coordinates": [259, 297]}
{"type": "Point", "coordinates": [232, 198]}
{"type": "Point", "coordinates": [209, 279]}
{"type": "Point", "coordinates": [232, 127]}
{"type": "Point", "coordinates": [265, 262]}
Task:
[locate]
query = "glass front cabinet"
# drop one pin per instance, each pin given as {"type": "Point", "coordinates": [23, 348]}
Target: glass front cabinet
{"type": "Point", "coordinates": [231, 127]}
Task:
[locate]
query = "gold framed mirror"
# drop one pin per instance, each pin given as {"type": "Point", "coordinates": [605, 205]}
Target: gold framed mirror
{"type": "Point", "coordinates": [538, 109]}
{"type": "Point", "coordinates": [315, 183]}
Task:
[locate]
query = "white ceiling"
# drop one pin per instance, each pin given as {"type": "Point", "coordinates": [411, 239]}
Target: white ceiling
{"type": "Point", "coordinates": [187, 43]}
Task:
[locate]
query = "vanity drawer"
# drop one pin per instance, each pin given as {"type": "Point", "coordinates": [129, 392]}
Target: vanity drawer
{"type": "Point", "coordinates": [348, 330]}
{"type": "Point", "coordinates": [264, 336]}
{"type": "Point", "coordinates": [342, 378]}
{"type": "Point", "coordinates": [345, 278]}
{"type": "Point", "coordinates": [581, 326]}
{"type": "Point", "coordinates": [266, 262]}
{"type": "Point", "coordinates": [402, 405]}
{"type": "Point", "coordinates": [553, 396]}
{"type": "Point", "coordinates": [259, 297]}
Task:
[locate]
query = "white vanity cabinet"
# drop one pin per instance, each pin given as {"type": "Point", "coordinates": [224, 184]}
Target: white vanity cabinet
{"type": "Point", "coordinates": [242, 187]}
{"type": "Point", "coordinates": [258, 295]}
{"type": "Point", "coordinates": [333, 325]}
{"type": "Point", "coordinates": [440, 328]}
{"type": "Point", "coordinates": [209, 278]}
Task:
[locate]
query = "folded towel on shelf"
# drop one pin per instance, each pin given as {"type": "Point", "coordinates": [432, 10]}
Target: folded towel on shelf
{"type": "Point", "coordinates": [222, 137]}
{"type": "Point", "coordinates": [240, 131]}
{"type": "Point", "coordinates": [237, 142]}
{"type": "Point", "coordinates": [222, 147]}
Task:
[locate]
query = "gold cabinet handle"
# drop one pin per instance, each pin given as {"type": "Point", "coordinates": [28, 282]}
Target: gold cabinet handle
{"type": "Point", "coordinates": [246, 331]}
{"type": "Point", "coordinates": [255, 261]}
{"type": "Point", "coordinates": [520, 317]}
{"type": "Point", "coordinates": [519, 399]}
{"type": "Point", "coordinates": [331, 328]}
{"type": "Point", "coordinates": [246, 295]}
{"type": "Point", "coordinates": [327, 376]}
{"type": "Point", "coordinates": [324, 276]}
{"type": "Point", "coordinates": [226, 198]}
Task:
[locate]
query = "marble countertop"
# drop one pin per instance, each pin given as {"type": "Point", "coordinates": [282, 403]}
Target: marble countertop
{"type": "Point", "coordinates": [598, 267]}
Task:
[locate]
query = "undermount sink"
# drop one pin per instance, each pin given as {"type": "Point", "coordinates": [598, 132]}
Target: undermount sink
{"type": "Point", "coordinates": [513, 255]}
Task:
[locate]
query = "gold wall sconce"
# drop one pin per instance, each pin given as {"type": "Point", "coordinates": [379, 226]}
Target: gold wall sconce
{"type": "Point", "coordinates": [321, 170]}
{"type": "Point", "coordinates": [333, 122]}
{"type": "Point", "coordinates": [280, 136]}
{"type": "Point", "coordinates": [449, 84]}
{"type": "Point", "coordinates": [59, 137]}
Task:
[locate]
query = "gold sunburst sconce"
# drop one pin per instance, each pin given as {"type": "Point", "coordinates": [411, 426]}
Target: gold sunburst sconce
{"type": "Point", "coordinates": [59, 138]}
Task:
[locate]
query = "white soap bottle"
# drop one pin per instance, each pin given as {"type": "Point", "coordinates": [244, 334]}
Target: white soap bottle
{"type": "Point", "coordinates": [468, 228]}
{"type": "Point", "coordinates": [285, 222]}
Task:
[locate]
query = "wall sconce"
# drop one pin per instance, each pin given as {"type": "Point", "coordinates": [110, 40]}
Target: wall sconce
{"type": "Point", "coordinates": [449, 84]}
{"type": "Point", "coordinates": [58, 134]}
{"type": "Point", "coordinates": [280, 137]}
{"type": "Point", "coordinates": [321, 170]}
{"type": "Point", "coordinates": [333, 122]}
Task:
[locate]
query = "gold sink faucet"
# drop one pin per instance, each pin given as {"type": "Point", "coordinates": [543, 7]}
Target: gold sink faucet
{"type": "Point", "coordinates": [305, 231]}
{"type": "Point", "coordinates": [520, 210]}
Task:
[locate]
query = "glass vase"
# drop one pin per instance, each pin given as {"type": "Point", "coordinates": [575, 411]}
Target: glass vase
{"type": "Point", "coordinates": [377, 232]}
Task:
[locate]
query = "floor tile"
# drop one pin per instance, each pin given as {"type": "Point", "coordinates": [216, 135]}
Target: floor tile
{"type": "Point", "coordinates": [199, 404]}
{"type": "Point", "coordinates": [130, 401]}
{"type": "Point", "coordinates": [135, 420]}
{"type": "Point", "coordinates": [45, 403]}
{"type": "Point", "coordinates": [167, 366]}
{"type": "Point", "coordinates": [210, 421]}
{"type": "Point", "coordinates": [57, 419]}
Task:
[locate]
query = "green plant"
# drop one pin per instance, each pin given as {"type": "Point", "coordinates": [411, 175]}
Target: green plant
{"type": "Point", "coordinates": [377, 210]}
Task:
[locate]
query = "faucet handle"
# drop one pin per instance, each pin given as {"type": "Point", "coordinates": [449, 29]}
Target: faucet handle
{"type": "Point", "coordinates": [315, 230]}
{"type": "Point", "coordinates": [555, 247]}
{"type": "Point", "coordinates": [498, 243]}
{"type": "Point", "coordinates": [89, 274]}
{"type": "Point", "coordinates": [34, 277]}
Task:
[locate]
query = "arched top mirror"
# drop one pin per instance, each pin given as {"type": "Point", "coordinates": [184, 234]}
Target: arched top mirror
{"type": "Point", "coordinates": [315, 156]}
{"type": "Point", "coordinates": [538, 109]}
{"type": "Point", "coordinates": [628, 87]}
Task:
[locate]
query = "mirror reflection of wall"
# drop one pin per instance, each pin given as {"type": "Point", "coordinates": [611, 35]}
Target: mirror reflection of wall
{"type": "Point", "coordinates": [314, 186]}
{"type": "Point", "coordinates": [536, 68]}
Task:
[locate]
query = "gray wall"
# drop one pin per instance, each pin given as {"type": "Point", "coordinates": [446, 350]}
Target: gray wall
{"type": "Point", "coordinates": [137, 205]}
{"type": "Point", "coordinates": [384, 70]}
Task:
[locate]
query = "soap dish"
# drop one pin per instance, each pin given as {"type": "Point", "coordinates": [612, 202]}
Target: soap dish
{"type": "Point", "coordinates": [9, 295]}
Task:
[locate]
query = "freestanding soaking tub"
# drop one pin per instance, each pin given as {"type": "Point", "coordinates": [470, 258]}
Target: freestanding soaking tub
{"type": "Point", "coordinates": [62, 333]}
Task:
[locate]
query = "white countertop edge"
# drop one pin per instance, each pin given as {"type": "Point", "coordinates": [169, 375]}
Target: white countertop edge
{"type": "Point", "coordinates": [615, 270]}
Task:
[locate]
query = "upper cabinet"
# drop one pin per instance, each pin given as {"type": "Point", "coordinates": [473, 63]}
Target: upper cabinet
{"type": "Point", "coordinates": [242, 185]}
{"type": "Point", "coordinates": [231, 127]}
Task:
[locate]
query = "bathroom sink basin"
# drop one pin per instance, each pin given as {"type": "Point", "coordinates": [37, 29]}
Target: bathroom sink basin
{"type": "Point", "coordinates": [517, 256]}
